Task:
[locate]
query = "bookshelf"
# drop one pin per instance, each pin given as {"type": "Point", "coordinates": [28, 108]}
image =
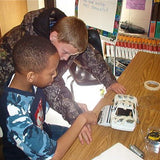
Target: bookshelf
{"type": "Point", "coordinates": [154, 29]}
{"type": "Point", "coordinates": [127, 46]}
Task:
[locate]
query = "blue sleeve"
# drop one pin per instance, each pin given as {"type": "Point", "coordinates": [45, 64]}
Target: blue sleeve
{"type": "Point", "coordinates": [34, 142]}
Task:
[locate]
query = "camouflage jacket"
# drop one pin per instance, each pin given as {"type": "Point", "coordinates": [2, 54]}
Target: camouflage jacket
{"type": "Point", "coordinates": [59, 97]}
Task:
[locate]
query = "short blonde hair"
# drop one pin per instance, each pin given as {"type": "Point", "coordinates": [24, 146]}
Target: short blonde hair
{"type": "Point", "coordinates": [73, 31]}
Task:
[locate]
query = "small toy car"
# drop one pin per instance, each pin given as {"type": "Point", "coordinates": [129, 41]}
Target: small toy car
{"type": "Point", "coordinates": [124, 113]}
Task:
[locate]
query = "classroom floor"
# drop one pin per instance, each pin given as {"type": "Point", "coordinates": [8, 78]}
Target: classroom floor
{"type": "Point", "coordinates": [89, 95]}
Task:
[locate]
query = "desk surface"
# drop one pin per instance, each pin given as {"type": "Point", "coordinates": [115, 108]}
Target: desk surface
{"type": "Point", "coordinates": [145, 66]}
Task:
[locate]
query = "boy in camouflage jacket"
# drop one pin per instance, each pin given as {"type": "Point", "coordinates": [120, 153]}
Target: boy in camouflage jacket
{"type": "Point", "coordinates": [47, 23]}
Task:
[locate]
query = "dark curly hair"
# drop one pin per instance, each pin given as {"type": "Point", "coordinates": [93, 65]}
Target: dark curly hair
{"type": "Point", "coordinates": [31, 53]}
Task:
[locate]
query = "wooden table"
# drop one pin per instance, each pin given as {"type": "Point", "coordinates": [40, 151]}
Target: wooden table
{"type": "Point", "coordinates": [145, 66]}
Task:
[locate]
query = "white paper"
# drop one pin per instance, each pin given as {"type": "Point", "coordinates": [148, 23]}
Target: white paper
{"type": "Point", "coordinates": [118, 152]}
{"type": "Point", "coordinates": [98, 13]}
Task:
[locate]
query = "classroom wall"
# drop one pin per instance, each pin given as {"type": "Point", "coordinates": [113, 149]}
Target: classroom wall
{"type": "Point", "coordinates": [67, 6]}
{"type": "Point", "coordinates": [11, 14]}
{"type": "Point", "coordinates": [13, 11]}
{"type": "Point", "coordinates": [9, 9]}
{"type": "Point", "coordinates": [34, 4]}
{"type": "Point", "coordinates": [137, 17]}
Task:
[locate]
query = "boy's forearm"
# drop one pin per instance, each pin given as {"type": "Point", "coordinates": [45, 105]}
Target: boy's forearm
{"type": "Point", "coordinates": [64, 143]}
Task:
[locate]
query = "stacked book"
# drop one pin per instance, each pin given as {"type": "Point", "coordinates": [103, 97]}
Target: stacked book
{"type": "Point", "coordinates": [154, 30]}
{"type": "Point", "coordinates": [118, 56]}
{"type": "Point", "coordinates": [127, 46]}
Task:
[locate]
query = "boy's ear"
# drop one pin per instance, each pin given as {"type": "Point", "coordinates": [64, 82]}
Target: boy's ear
{"type": "Point", "coordinates": [53, 36]}
{"type": "Point", "coordinates": [30, 77]}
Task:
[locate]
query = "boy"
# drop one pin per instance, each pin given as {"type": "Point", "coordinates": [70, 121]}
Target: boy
{"type": "Point", "coordinates": [23, 105]}
{"type": "Point", "coordinates": [69, 35]}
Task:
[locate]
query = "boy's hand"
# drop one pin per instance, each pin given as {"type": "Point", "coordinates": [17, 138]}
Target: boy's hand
{"type": "Point", "coordinates": [83, 107]}
{"type": "Point", "coordinates": [85, 134]}
{"type": "Point", "coordinates": [117, 88]}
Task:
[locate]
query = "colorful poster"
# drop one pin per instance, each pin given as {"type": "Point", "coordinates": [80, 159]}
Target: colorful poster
{"type": "Point", "coordinates": [136, 4]}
